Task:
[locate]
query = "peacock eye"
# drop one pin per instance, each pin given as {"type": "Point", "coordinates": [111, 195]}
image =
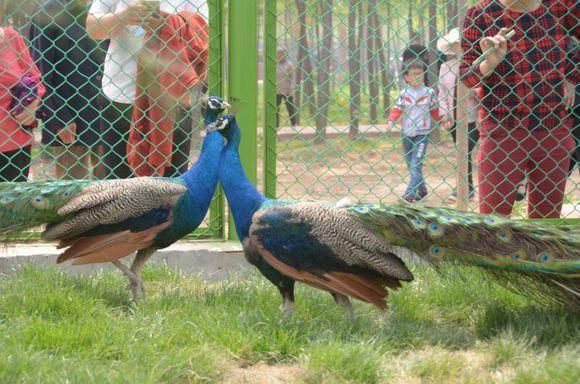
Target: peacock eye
{"type": "Point", "coordinates": [39, 202]}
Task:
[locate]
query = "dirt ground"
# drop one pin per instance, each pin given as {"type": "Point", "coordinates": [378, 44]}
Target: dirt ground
{"type": "Point", "coordinates": [263, 374]}
{"type": "Point", "coordinates": [374, 170]}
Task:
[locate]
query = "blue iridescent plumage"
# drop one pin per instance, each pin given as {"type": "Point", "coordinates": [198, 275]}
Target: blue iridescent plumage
{"type": "Point", "coordinates": [352, 251]}
{"type": "Point", "coordinates": [102, 221]}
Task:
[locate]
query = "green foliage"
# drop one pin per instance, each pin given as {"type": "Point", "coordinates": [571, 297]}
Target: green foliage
{"type": "Point", "coordinates": [448, 327]}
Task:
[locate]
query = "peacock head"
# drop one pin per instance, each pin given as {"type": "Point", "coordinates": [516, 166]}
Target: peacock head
{"type": "Point", "coordinates": [213, 107]}
{"type": "Point", "coordinates": [225, 125]}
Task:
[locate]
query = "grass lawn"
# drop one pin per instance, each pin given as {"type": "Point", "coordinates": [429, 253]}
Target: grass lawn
{"type": "Point", "coordinates": [449, 328]}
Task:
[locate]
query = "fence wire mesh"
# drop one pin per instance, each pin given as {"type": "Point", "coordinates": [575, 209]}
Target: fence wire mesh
{"type": "Point", "coordinates": [366, 99]}
{"type": "Point", "coordinates": [120, 83]}
{"type": "Point", "coordinates": [369, 104]}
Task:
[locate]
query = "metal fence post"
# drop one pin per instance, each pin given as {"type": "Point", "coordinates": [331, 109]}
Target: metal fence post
{"type": "Point", "coordinates": [270, 107]}
{"type": "Point", "coordinates": [243, 81]}
{"type": "Point", "coordinates": [216, 87]}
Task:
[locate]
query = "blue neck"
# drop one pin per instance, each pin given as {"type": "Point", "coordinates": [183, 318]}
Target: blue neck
{"type": "Point", "coordinates": [202, 178]}
{"type": "Point", "coordinates": [243, 197]}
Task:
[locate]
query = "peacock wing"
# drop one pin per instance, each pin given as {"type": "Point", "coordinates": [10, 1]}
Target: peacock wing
{"type": "Point", "coordinates": [114, 203]}
{"type": "Point", "coordinates": [325, 247]}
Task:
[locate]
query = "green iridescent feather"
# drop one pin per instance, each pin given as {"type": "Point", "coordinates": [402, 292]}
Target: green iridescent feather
{"type": "Point", "coordinates": [27, 205]}
{"type": "Point", "coordinates": [531, 257]}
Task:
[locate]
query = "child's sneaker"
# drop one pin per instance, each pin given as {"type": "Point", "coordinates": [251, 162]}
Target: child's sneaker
{"type": "Point", "coordinates": [453, 197]}
{"type": "Point", "coordinates": [421, 195]}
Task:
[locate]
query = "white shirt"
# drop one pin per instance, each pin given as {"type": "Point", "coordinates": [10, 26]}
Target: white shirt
{"type": "Point", "coordinates": [120, 69]}
{"type": "Point", "coordinates": [447, 79]}
{"type": "Point", "coordinates": [416, 105]}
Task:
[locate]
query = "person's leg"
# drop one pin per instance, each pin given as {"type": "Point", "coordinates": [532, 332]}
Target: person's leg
{"type": "Point", "coordinates": [291, 110]}
{"type": "Point", "coordinates": [473, 137]}
{"type": "Point", "coordinates": [421, 143]}
{"type": "Point", "coordinates": [72, 162]}
{"type": "Point", "coordinates": [548, 174]}
{"type": "Point", "coordinates": [417, 187]}
{"type": "Point", "coordinates": [116, 125]}
{"type": "Point", "coordinates": [501, 161]}
{"type": "Point", "coordinates": [575, 160]}
{"type": "Point", "coordinates": [407, 155]}
{"type": "Point", "coordinates": [279, 99]}
{"type": "Point", "coordinates": [15, 165]}
{"type": "Point", "coordinates": [181, 143]}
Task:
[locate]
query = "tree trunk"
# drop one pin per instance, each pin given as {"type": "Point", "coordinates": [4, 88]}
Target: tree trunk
{"type": "Point", "coordinates": [325, 57]}
{"type": "Point", "coordinates": [384, 62]}
{"type": "Point", "coordinates": [452, 15]}
{"type": "Point", "coordinates": [373, 59]}
{"type": "Point", "coordinates": [412, 32]}
{"type": "Point", "coordinates": [421, 16]}
{"type": "Point", "coordinates": [433, 73]}
{"type": "Point", "coordinates": [354, 68]}
{"type": "Point", "coordinates": [304, 74]}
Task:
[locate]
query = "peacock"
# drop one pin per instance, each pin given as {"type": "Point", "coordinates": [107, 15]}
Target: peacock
{"type": "Point", "coordinates": [105, 221]}
{"type": "Point", "coordinates": [354, 251]}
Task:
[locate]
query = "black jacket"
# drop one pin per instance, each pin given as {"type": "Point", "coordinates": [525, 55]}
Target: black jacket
{"type": "Point", "coordinates": [71, 66]}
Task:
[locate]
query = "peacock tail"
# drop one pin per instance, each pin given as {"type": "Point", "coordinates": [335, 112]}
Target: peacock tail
{"type": "Point", "coordinates": [532, 258]}
{"type": "Point", "coordinates": [28, 205]}
{"type": "Point", "coordinates": [69, 208]}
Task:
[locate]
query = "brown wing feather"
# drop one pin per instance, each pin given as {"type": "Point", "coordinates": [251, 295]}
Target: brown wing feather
{"type": "Point", "coordinates": [363, 287]}
{"type": "Point", "coordinates": [109, 247]}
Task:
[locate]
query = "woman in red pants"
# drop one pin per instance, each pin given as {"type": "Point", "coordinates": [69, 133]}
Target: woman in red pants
{"type": "Point", "coordinates": [524, 125]}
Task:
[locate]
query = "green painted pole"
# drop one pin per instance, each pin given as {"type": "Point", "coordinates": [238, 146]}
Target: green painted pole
{"type": "Point", "coordinates": [243, 81]}
{"type": "Point", "coordinates": [270, 129]}
{"type": "Point", "coordinates": [216, 86]}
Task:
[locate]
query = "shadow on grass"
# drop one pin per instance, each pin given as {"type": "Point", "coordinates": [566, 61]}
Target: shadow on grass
{"type": "Point", "coordinates": [549, 327]}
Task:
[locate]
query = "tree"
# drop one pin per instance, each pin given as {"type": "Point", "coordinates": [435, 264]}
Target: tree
{"type": "Point", "coordinates": [303, 60]}
{"type": "Point", "coordinates": [354, 67]}
{"type": "Point", "coordinates": [373, 58]}
{"type": "Point", "coordinates": [325, 50]}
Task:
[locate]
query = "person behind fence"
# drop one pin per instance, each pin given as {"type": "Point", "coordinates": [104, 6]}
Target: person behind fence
{"type": "Point", "coordinates": [448, 103]}
{"type": "Point", "coordinates": [524, 129]}
{"type": "Point", "coordinates": [71, 66]}
{"type": "Point", "coordinates": [180, 48]}
{"type": "Point", "coordinates": [20, 92]}
{"type": "Point", "coordinates": [416, 105]}
{"type": "Point", "coordinates": [285, 87]}
{"type": "Point", "coordinates": [127, 23]}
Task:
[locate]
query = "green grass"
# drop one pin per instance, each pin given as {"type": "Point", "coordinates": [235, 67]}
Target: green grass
{"type": "Point", "coordinates": [453, 327]}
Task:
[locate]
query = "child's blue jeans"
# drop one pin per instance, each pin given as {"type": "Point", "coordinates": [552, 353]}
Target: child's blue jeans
{"type": "Point", "coordinates": [415, 149]}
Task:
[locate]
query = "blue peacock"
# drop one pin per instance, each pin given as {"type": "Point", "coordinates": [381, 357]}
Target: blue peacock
{"type": "Point", "coordinates": [354, 250]}
{"type": "Point", "coordinates": [105, 221]}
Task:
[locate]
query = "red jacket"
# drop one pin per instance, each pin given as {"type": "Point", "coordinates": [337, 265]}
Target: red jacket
{"type": "Point", "coordinates": [177, 59]}
{"type": "Point", "coordinates": [15, 62]}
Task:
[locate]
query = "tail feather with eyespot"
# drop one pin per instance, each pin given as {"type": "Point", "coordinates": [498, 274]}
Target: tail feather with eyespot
{"type": "Point", "coordinates": [532, 258]}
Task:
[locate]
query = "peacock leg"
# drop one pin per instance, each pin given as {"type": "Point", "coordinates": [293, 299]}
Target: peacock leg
{"type": "Point", "coordinates": [286, 288]}
{"type": "Point", "coordinates": [137, 286]}
{"type": "Point", "coordinates": [344, 301]}
{"type": "Point", "coordinates": [133, 278]}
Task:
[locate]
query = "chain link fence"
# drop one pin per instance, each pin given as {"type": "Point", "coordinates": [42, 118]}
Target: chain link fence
{"type": "Point", "coordinates": [362, 98]}
{"type": "Point", "coordinates": [368, 106]}
{"type": "Point", "coordinates": [121, 84]}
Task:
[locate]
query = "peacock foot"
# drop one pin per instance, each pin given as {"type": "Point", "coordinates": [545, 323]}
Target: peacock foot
{"type": "Point", "coordinates": [138, 290]}
{"type": "Point", "coordinates": [344, 301]}
{"type": "Point", "coordinates": [287, 308]}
